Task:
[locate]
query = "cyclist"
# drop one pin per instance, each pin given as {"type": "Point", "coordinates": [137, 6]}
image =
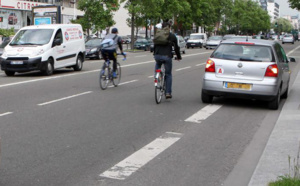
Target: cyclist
{"type": "Point", "coordinates": [110, 45]}
{"type": "Point", "coordinates": [164, 53]}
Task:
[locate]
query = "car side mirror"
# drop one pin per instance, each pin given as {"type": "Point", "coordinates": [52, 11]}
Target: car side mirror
{"type": "Point", "coordinates": [57, 42]}
{"type": "Point", "coordinates": [292, 59]}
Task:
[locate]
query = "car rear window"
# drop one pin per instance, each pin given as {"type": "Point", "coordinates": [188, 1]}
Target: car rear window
{"type": "Point", "coordinates": [245, 52]}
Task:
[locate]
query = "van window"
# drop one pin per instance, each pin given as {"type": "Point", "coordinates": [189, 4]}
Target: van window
{"type": "Point", "coordinates": [32, 37]}
{"type": "Point", "coordinates": [196, 36]}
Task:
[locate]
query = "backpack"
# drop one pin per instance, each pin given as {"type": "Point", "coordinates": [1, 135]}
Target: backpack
{"type": "Point", "coordinates": [162, 36]}
{"type": "Point", "coordinates": [106, 43]}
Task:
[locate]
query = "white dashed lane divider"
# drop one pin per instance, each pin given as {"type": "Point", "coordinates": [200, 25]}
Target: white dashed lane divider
{"type": "Point", "coordinates": [182, 68]}
{"type": "Point", "coordinates": [6, 113]}
{"type": "Point", "coordinates": [61, 99]}
{"type": "Point", "coordinates": [203, 114]}
{"type": "Point", "coordinates": [125, 83]}
{"type": "Point", "coordinates": [131, 164]}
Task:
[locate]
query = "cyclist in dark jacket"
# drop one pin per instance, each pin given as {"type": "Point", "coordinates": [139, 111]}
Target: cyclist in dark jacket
{"type": "Point", "coordinates": [164, 53]}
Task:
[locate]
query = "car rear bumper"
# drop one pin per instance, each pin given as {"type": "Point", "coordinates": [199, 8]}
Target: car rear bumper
{"type": "Point", "coordinates": [194, 44]}
{"type": "Point", "coordinates": [29, 64]}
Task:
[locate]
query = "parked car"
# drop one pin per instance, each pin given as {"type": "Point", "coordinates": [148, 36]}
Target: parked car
{"type": "Point", "coordinates": [254, 69]}
{"type": "Point", "coordinates": [197, 40]}
{"type": "Point", "coordinates": [228, 36]}
{"type": "Point", "coordinates": [93, 49]}
{"type": "Point", "coordinates": [125, 39]}
{"type": "Point", "coordinates": [213, 42]}
{"type": "Point", "coordinates": [142, 44]}
{"type": "Point", "coordinates": [288, 38]}
{"type": "Point", "coordinates": [12, 19]}
{"type": "Point", "coordinates": [181, 44]}
{"type": "Point", "coordinates": [186, 38]}
{"type": "Point", "coordinates": [3, 44]}
{"type": "Point", "coordinates": [274, 37]}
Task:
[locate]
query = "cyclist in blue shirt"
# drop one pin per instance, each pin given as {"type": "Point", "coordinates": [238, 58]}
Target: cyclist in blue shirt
{"type": "Point", "coordinates": [109, 51]}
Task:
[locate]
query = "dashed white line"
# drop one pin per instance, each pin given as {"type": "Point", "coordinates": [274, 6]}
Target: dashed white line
{"type": "Point", "coordinates": [200, 64]}
{"type": "Point", "coordinates": [131, 164]}
{"type": "Point", "coordinates": [151, 76]}
{"type": "Point", "coordinates": [49, 102]}
{"type": "Point", "coordinates": [183, 68]}
{"type": "Point", "coordinates": [293, 50]}
{"type": "Point", "coordinates": [125, 82]}
{"type": "Point", "coordinates": [141, 56]}
{"type": "Point", "coordinates": [6, 113]}
{"type": "Point", "coordinates": [203, 113]}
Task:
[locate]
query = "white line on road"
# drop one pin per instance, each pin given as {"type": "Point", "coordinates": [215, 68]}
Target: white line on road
{"type": "Point", "coordinates": [131, 164]}
{"type": "Point", "coordinates": [80, 73]}
{"type": "Point", "coordinates": [49, 102]}
{"type": "Point", "coordinates": [203, 113]}
{"type": "Point", "coordinates": [151, 76]}
{"type": "Point", "coordinates": [6, 113]}
{"type": "Point", "coordinates": [292, 50]}
{"type": "Point", "coordinates": [141, 56]}
{"type": "Point", "coordinates": [183, 68]}
{"type": "Point", "coordinates": [125, 83]}
{"type": "Point", "coordinates": [200, 64]}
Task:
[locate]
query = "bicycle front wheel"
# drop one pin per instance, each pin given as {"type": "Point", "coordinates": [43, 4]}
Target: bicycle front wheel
{"type": "Point", "coordinates": [117, 80]}
{"type": "Point", "coordinates": [159, 88]}
{"type": "Point", "coordinates": [104, 79]}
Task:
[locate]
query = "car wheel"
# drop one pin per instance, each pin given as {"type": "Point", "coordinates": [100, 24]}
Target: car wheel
{"type": "Point", "coordinates": [10, 73]}
{"type": "Point", "coordinates": [285, 94]}
{"type": "Point", "coordinates": [99, 55]}
{"type": "Point", "coordinates": [79, 63]}
{"type": "Point", "coordinates": [183, 52]}
{"type": "Point", "coordinates": [282, 42]}
{"type": "Point", "coordinates": [274, 104]}
{"type": "Point", "coordinates": [49, 67]}
{"type": "Point", "coordinates": [187, 47]}
{"type": "Point", "coordinates": [292, 42]}
{"type": "Point", "coordinates": [206, 98]}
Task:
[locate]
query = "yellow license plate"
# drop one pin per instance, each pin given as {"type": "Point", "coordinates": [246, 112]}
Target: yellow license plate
{"type": "Point", "coordinates": [238, 86]}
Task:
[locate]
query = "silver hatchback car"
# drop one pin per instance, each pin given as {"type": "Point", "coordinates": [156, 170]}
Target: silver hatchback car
{"type": "Point", "coordinates": [288, 38]}
{"type": "Point", "coordinates": [254, 69]}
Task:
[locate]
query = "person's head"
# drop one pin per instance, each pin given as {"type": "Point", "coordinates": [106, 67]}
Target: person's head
{"type": "Point", "coordinates": [114, 31]}
{"type": "Point", "coordinates": [166, 23]}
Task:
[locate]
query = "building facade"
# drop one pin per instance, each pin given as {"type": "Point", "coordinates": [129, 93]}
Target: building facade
{"type": "Point", "coordinates": [18, 13]}
{"type": "Point", "coordinates": [273, 10]}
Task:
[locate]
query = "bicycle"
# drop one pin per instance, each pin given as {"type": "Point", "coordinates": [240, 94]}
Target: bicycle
{"type": "Point", "coordinates": [160, 83]}
{"type": "Point", "coordinates": [107, 76]}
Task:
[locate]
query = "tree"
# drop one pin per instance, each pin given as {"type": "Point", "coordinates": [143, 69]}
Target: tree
{"type": "Point", "coordinates": [294, 4]}
{"type": "Point", "coordinates": [283, 25]}
{"type": "Point", "coordinates": [98, 14]}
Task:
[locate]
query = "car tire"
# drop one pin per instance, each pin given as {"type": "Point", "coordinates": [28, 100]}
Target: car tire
{"type": "Point", "coordinates": [79, 64]}
{"type": "Point", "coordinates": [282, 42]}
{"type": "Point", "coordinates": [183, 52]}
{"type": "Point", "coordinates": [285, 94]}
{"type": "Point", "coordinates": [274, 104]}
{"type": "Point", "coordinates": [292, 42]}
{"type": "Point", "coordinates": [49, 68]}
{"type": "Point", "coordinates": [206, 98]}
{"type": "Point", "coordinates": [10, 73]}
{"type": "Point", "coordinates": [99, 55]}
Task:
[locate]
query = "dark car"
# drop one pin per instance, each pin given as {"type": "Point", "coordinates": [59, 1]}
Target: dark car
{"type": "Point", "coordinates": [93, 49]}
{"type": "Point", "coordinates": [142, 44]}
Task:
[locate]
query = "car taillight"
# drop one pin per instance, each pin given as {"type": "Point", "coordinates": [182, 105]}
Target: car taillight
{"type": "Point", "coordinates": [210, 66]}
{"type": "Point", "coordinates": [272, 71]}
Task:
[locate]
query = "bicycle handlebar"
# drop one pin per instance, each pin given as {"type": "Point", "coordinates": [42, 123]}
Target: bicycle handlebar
{"type": "Point", "coordinates": [123, 54]}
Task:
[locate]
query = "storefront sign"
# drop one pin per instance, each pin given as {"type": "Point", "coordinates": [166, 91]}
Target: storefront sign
{"type": "Point", "coordinates": [21, 5]}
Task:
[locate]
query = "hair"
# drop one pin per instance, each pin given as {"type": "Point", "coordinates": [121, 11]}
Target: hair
{"type": "Point", "coordinates": [114, 30]}
{"type": "Point", "coordinates": [165, 24]}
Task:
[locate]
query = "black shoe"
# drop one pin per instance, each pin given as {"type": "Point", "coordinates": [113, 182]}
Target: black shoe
{"type": "Point", "coordinates": [168, 96]}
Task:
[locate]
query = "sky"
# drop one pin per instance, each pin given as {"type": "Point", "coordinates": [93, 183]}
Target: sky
{"type": "Point", "coordinates": [285, 9]}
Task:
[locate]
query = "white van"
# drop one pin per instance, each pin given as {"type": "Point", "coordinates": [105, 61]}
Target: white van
{"type": "Point", "coordinates": [44, 48]}
{"type": "Point", "coordinates": [197, 40]}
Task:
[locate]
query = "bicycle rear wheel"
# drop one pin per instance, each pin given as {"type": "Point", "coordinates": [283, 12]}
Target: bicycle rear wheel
{"type": "Point", "coordinates": [117, 80]}
{"type": "Point", "coordinates": [159, 88]}
{"type": "Point", "coordinates": [104, 79]}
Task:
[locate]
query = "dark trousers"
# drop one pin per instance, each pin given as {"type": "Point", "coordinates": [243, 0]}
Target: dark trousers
{"type": "Point", "coordinates": [111, 55]}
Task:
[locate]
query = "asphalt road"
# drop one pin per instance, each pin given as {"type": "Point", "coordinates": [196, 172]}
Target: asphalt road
{"type": "Point", "coordinates": [63, 130]}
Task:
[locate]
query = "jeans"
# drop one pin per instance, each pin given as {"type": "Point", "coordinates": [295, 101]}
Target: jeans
{"type": "Point", "coordinates": [168, 70]}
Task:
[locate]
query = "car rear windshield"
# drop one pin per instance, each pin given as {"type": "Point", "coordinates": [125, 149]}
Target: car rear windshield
{"type": "Point", "coordinates": [215, 38]}
{"type": "Point", "coordinates": [245, 52]}
{"type": "Point", "coordinates": [197, 37]}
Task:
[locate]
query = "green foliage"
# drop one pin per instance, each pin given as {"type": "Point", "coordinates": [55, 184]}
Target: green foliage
{"type": "Point", "coordinates": [283, 25]}
{"type": "Point", "coordinates": [7, 32]}
{"type": "Point", "coordinates": [98, 13]}
{"type": "Point", "coordinates": [294, 4]}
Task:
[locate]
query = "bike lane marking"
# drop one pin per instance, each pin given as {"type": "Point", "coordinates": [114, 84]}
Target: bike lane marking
{"type": "Point", "coordinates": [125, 83]}
{"type": "Point", "coordinates": [203, 114]}
{"type": "Point", "coordinates": [6, 113]}
{"type": "Point", "coordinates": [131, 164]}
{"type": "Point", "coordinates": [61, 99]}
{"type": "Point", "coordinates": [182, 68]}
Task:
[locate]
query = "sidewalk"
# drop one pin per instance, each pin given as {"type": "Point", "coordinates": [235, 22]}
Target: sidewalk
{"type": "Point", "coordinates": [284, 142]}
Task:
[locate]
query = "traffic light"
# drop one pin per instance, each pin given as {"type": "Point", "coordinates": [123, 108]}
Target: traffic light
{"type": "Point", "coordinates": [275, 24]}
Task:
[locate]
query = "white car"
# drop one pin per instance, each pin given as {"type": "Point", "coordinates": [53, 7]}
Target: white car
{"type": "Point", "coordinates": [288, 38]}
{"type": "Point", "coordinates": [213, 42]}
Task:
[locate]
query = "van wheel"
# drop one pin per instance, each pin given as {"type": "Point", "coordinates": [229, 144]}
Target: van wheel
{"type": "Point", "coordinates": [78, 65]}
{"type": "Point", "coordinates": [10, 73]}
{"type": "Point", "coordinates": [49, 68]}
